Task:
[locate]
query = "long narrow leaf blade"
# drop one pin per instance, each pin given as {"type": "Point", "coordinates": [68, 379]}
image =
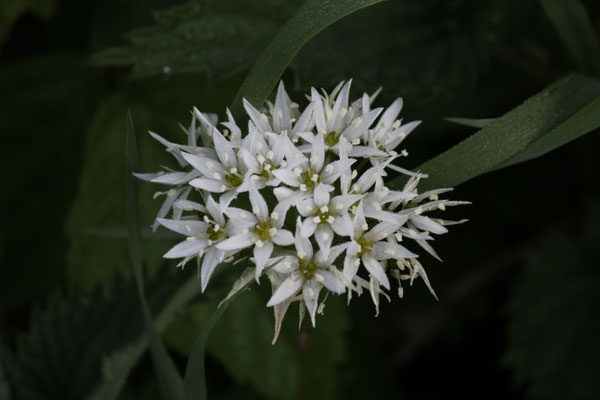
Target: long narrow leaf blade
{"type": "Point", "coordinates": [471, 122]}
{"type": "Point", "coordinates": [573, 24]}
{"type": "Point", "coordinates": [559, 113]}
{"type": "Point", "coordinates": [168, 377]}
{"type": "Point", "coordinates": [313, 17]}
{"type": "Point", "coordinates": [195, 381]}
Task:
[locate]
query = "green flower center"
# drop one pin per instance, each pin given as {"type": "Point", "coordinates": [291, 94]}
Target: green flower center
{"type": "Point", "coordinates": [366, 245]}
{"type": "Point", "coordinates": [307, 268]}
{"type": "Point", "coordinates": [267, 169]}
{"type": "Point", "coordinates": [307, 178]}
{"type": "Point", "coordinates": [263, 230]}
{"type": "Point", "coordinates": [332, 138]}
{"type": "Point", "coordinates": [215, 234]}
{"type": "Point", "coordinates": [234, 179]}
{"type": "Point", "coordinates": [323, 215]}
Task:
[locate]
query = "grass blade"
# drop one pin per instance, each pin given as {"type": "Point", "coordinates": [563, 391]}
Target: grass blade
{"type": "Point", "coordinates": [311, 18]}
{"type": "Point", "coordinates": [195, 380]}
{"type": "Point", "coordinates": [560, 113]}
{"type": "Point", "coordinates": [169, 379]}
{"type": "Point", "coordinates": [470, 122]}
{"type": "Point", "coordinates": [575, 29]}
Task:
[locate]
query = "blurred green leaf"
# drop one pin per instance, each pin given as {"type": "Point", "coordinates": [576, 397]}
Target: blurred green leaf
{"type": "Point", "coordinates": [60, 356]}
{"type": "Point", "coordinates": [117, 366]}
{"type": "Point", "coordinates": [571, 101]}
{"type": "Point", "coordinates": [11, 10]}
{"type": "Point", "coordinates": [213, 37]}
{"type": "Point", "coordinates": [99, 203]}
{"type": "Point", "coordinates": [313, 17]}
{"type": "Point", "coordinates": [575, 29]}
{"type": "Point", "coordinates": [169, 378]}
{"type": "Point", "coordinates": [298, 363]}
{"type": "Point", "coordinates": [554, 329]}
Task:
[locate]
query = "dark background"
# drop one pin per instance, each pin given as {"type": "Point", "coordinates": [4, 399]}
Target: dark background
{"type": "Point", "coordinates": [519, 287]}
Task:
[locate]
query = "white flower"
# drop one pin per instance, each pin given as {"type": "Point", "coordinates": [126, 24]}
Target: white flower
{"type": "Point", "coordinates": [309, 272]}
{"type": "Point", "coordinates": [260, 229]}
{"type": "Point", "coordinates": [326, 216]}
{"type": "Point", "coordinates": [203, 235]}
{"type": "Point", "coordinates": [326, 166]}
{"type": "Point", "coordinates": [368, 248]}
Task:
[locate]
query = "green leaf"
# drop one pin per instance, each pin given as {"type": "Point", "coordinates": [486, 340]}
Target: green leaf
{"type": "Point", "coordinates": [570, 102]}
{"type": "Point", "coordinates": [168, 376]}
{"type": "Point", "coordinates": [313, 17]}
{"type": "Point", "coordinates": [60, 356]}
{"type": "Point", "coordinates": [473, 123]}
{"type": "Point", "coordinates": [213, 37]}
{"type": "Point", "coordinates": [553, 344]}
{"type": "Point", "coordinates": [119, 364]}
{"type": "Point", "coordinates": [195, 379]}
{"type": "Point", "coordinates": [576, 31]}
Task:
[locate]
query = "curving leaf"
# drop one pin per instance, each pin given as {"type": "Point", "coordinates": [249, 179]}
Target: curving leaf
{"type": "Point", "coordinates": [313, 17]}
{"type": "Point", "coordinates": [169, 379]}
{"type": "Point", "coordinates": [562, 112]}
{"type": "Point", "coordinates": [576, 31]}
{"type": "Point", "coordinates": [473, 123]}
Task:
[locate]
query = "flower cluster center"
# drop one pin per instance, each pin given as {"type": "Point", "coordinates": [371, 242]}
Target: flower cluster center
{"type": "Point", "coordinates": [332, 138]}
{"type": "Point", "coordinates": [215, 233]}
{"type": "Point", "coordinates": [366, 245]}
{"type": "Point", "coordinates": [234, 179]}
{"type": "Point", "coordinates": [307, 268]}
{"type": "Point", "coordinates": [323, 215]}
{"type": "Point", "coordinates": [263, 230]}
{"type": "Point", "coordinates": [267, 169]}
{"type": "Point", "coordinates": [310, 178]}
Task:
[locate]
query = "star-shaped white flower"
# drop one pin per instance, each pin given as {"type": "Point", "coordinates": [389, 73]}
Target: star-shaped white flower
{"type": "Point", "coordinates": [309, 272]}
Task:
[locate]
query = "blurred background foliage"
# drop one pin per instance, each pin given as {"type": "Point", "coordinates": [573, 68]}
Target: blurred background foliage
{"type": "Point", "coordinates": [517, 316]}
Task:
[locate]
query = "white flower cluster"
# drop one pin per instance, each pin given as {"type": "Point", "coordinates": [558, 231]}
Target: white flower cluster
{"type": "Point", "coordinates": [303, 195]}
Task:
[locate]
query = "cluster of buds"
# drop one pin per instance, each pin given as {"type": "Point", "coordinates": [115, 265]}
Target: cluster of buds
{"type": "Point", "coordinates": [303, 196]}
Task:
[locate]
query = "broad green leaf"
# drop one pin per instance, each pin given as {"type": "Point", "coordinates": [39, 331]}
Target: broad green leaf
{"type": "Point", "coordinates": [576, 31]}
{"type": "Point", "coordinates": [98, 208]}
{"type": "Point", "coordinates": [170, 381]}
{"type": "Point", "coordinates": [553, 344]}
{"type": "Point", "coordinates": [514, 133]}
{"type": "Point", "coordinates": [304, 362]}
{"type": "Point", "coordinates": [60, 356]}
{"type": "Point", "coordinates": [213, 37]}
{"type": "Point", "coordinates": [313, 17]}
{"type": "Point", "coordinates": [473, 123]}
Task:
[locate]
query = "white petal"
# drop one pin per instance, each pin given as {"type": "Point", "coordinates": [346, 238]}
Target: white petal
{"type": "Point", "coordinates": [185, 227]}
{"type": "Point", "coordinates": [308, 227]}
{"type": "Point", "coordinates": [317, 154]}
{"type": "Point", "coordinates": [427, 224]}
{"type": "Point", "coordinates": [321, 194]}
{"type": "Point", "coordinates": [259, 206]}
{"type": "Point", "coordinates": [224, 150]}
{"type": "Point", "coordinates": [256, 117]}
{"type": "Point", "coordinates": [283, 238]}
{"type": "Point", "coordinates": [302, 242]}
{"type": "Point", "coordinates": [262, 255]}
{"type": "Point", "coordinates": [387, 250]}
{"type": "Point", "coordinates": [311, 297]}
{"type": "Point", "coordinates": [342, 225]}
{"type": "Point", "coordinates": [207, 166]}
{"type": "Point", "coordinates": [350, 266]}
{"type": "Point", "coordinates": [375, 269]}
{"type": "Point", "coordinates": [186, 248]}
{"type": "Point", "coordinates": [286, 290]}
{"type": "Point", "coordinates": [287, 176]}
{"type": "Point", "coordinates": [331, 282]}
{"type": "Point", "coordinates": [209, 185]}
{"type": "Point", "coordinates": [211, 259]}
{"type": "Point", "coordinates": [324, 238]}
{"type": "Point", "coordinates": [236, 242]}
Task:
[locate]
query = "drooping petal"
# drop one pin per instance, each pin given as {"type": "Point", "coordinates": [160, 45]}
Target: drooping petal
{"type": "Point", "coordinates": [236, 242]}
{"type": "Point", "coordinates": [351, 264]}
{"type": "Point", "coordinates": [375, 269]}
{"type": "Point", "coordinates": [310, 293]}
{"type": "Point", "coordinates": [261, 255]}
{"type": "Point", "coordinates": [184, 227]}
{"type": "Point", "coordinates": [211, 259]}
{"type": "Point", "coordinates": [286, 290]}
